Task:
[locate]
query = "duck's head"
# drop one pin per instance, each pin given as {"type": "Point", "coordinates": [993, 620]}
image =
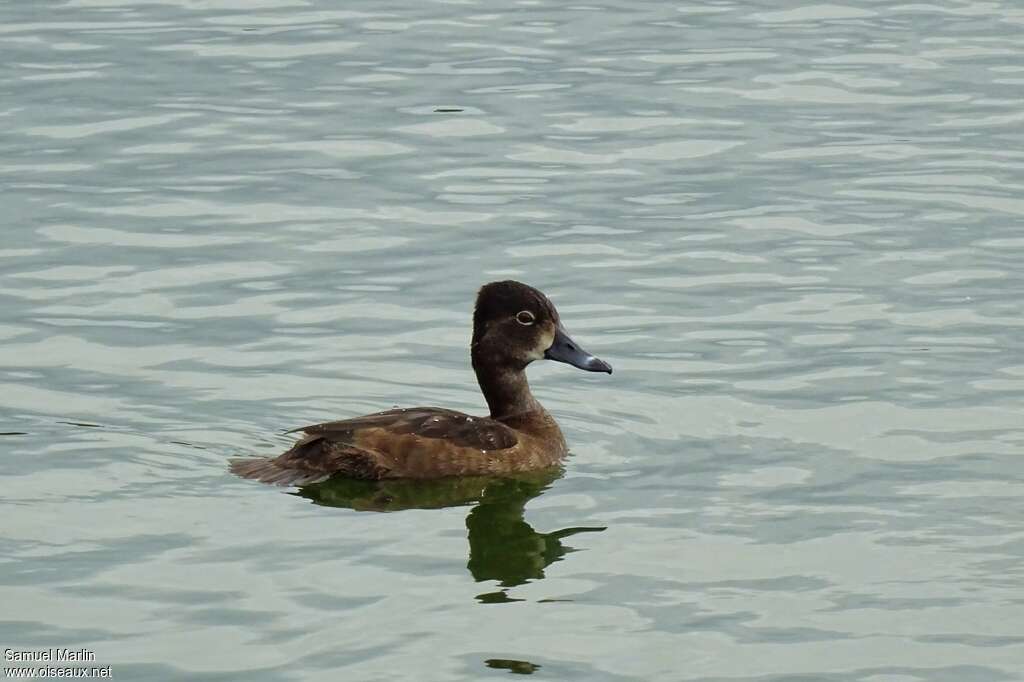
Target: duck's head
{"type": "Point", "coordinates": [514, 324]}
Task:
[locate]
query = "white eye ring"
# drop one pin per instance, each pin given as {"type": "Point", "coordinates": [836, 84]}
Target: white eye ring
{"type": "Point", "coordinates": [525, 317]}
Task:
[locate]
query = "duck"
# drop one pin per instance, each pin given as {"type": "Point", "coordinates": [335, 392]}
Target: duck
{"type": "Point", "coordinates": [514, 325]}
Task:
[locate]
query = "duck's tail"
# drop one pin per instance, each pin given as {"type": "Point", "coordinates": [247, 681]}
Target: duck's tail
{"type": "Point", "coordinates": [269, 470]}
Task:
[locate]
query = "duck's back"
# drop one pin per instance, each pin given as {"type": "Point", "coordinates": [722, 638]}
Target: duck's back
{"type": "Point", "coordinates": [421, 442]}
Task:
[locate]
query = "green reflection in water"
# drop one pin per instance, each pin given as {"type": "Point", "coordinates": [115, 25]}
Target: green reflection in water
{"type": "Point", "coordinates": [502, 546]}
{"type": "Point", "coordinates": [512, 665]}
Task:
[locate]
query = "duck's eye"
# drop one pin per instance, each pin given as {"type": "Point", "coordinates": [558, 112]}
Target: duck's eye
{"type": "Point", "coordinates": [525, 317]}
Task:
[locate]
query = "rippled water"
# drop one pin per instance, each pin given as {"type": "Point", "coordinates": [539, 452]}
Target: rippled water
{"type": "Point", "coordinates": [794, 229]}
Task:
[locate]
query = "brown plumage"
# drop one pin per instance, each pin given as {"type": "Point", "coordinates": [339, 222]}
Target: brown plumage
{"type": "Point", "coordinates": [513, 325]}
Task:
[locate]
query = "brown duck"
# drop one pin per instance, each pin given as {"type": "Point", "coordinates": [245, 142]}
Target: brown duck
{"type": "Point", "coordinates": [513, 325]}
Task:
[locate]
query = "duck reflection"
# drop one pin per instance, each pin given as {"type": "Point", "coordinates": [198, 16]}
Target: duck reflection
{"type": "Point", "coordinates": [503, 547]}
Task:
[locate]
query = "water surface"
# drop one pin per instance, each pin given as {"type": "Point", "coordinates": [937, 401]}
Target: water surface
{"type": "Point", "coordinates": [793, 228]}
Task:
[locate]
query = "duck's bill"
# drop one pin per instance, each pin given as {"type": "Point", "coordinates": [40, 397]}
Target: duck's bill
{"type": "Point", "coordinates": [564, 349]}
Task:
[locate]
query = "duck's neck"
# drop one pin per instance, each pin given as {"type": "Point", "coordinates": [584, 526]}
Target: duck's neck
{"type": "Point", "coordinates": [506, 390]}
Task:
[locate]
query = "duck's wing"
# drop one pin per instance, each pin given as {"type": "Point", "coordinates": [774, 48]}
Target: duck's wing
{"type": "Point", "coordinates": [457, 428]}
{"type": "Point", "coordinates": [421, 442]}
